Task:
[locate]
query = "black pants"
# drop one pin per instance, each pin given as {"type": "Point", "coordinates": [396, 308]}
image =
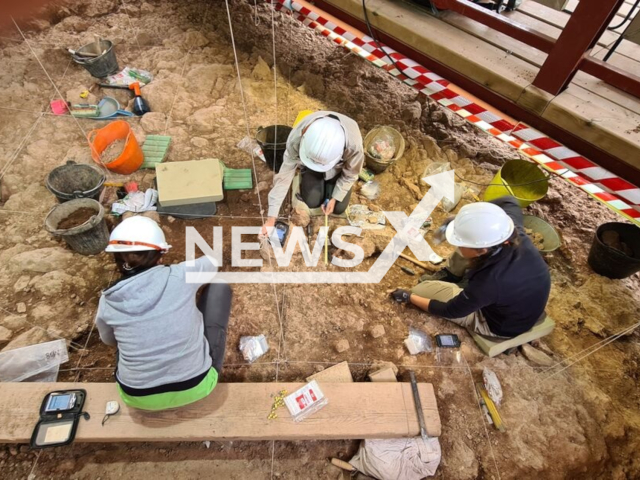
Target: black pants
{"type": "Point", "coordinates": [215, 305]}
{"type": "Point", "coordinates": [314, 190]}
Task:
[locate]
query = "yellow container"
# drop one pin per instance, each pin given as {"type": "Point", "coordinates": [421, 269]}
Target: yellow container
{"type": "Point", "coordinates": [521, 179]}
{"type": "Point", "coordinates": [301, 115]}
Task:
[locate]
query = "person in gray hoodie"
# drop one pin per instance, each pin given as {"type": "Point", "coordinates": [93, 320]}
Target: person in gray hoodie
{"type": "Point", "coordinates": [170, 349]}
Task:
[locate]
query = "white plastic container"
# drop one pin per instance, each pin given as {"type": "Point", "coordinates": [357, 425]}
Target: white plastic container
{"type": "Point", "coordinates": [305, 401]}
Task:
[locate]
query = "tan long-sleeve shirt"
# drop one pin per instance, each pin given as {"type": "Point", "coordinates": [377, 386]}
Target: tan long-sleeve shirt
{"type": "Point", "coordinates": [348, 168]}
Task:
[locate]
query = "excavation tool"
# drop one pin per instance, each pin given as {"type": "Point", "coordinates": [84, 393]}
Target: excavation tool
{"type": "Point", "coordinates": [487, 403]}
{"type": "Point", "coordinates": [348, 470]}
{"type": "Point", "coordinates": [429, 268]}
{"type": "Point", "coordinates": [326, 238]}
{"type": "Point", "coordinates": [418, 403]}
{"type": "Point", "coordinates": [140, 106]}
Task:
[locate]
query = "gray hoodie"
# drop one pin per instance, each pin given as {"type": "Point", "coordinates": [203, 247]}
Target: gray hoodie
{"type": "Point", "coordinates": [153, 320]}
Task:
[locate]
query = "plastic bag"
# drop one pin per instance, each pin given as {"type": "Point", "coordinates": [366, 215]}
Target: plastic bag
{"type": "Point", "coordinates": [35, 363]}
{"type": "Point", "coordinates": [435, 168]}
{"type": "Point", "coordinates": [128, 76]}
{"type": "Point", "coordinates": [383, 146]}
{"type": "Point", "coordinates": [458, 191]}
{"type": "Point", "coordinates": [250, 146]}
{"type": "Point", "coordinates": [360, 216]}
{"type": "Point", "coordinates": [418, 342]}
{"type": "Point", "coordinates": [371, 190]}
{"type": "Point", "coordinates": [136, 202]}
{"type": "Point", "coordinates": [398, 458]}
{"type": "Point", "coordinates": [253, 348]}
{"type": "Point", "coordinates": [492, 384]}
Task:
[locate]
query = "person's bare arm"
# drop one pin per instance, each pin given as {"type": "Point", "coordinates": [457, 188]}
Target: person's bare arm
{"type": "Point", "coordinates": [420, 302]}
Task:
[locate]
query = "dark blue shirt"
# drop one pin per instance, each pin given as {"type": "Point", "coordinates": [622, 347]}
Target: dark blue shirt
{"type": "Point", "coordinates": [511, 288]}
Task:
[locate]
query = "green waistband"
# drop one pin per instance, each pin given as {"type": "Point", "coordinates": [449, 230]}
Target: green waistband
{"type": "Point", "coordinates": [163, 401]}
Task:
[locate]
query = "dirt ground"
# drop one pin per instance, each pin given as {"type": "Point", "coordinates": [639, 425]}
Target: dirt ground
{"type": "Point", "coordinates": [581, 423]}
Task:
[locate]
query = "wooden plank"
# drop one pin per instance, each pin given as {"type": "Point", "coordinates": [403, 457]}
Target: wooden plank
{"type": "Point", "coordinates": [530, 99]}
{"type": "Point", "coordinates": [233, 411]}
{"type": "Point", "coordinates": [622, 11]}
{"type": "Point", "coordinates": [507, 76]}
{"type": "Point", "coordinates": [551, 16]}
{"type": "Point", "coordinates": [598, 121]}
{"type": "Point", "coordinates": [495, 38]}
{"type": "Point", "coordinates": [626, 48]}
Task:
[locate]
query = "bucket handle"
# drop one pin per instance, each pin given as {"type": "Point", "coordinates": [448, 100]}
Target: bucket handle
{"type": "Point", "coordinates": [90, 137]}
{"type": "Point", "coordinates": [78, 194]}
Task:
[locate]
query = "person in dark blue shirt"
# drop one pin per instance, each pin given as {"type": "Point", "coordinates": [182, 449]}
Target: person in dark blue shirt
{"type": "Point", "coordinates": [508, 280]}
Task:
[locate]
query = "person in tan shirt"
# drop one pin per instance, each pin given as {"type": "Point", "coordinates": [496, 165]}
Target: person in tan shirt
{"type": "Point", "coordinates": [327, 146]}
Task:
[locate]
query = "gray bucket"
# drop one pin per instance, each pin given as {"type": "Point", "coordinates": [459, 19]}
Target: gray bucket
{"type": "Point", "coordinates": [101, 66]}
{"type": "Point", "coordinates": [75, 181]}
{"type": "Point", "coordinates": [90, 238]}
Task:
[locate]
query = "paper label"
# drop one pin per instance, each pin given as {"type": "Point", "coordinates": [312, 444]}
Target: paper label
{"type": "Point", "coordinates": [57, 434]}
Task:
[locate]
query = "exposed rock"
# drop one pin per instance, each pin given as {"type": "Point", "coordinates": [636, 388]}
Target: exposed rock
{"type": "Point", "coordinates": [466, 466]}
{"type": "Point", "coordinates": [153, 122]}
{"type": "Point", "coordinates": [367, 245]}
{"type": "Point", "coordinates": [536, 356]}
{"type": "Point", "coordinates": [43, 260]}
{"type": "Point", "coordinates": [261, 71]}
{"type": "Point", "coordinates": [194, 39]}
{"type": "Point", "coordinates": [74, 24]}
{"type": "Point", "coordinates": [5, 336]}
{"type": "Point", "coordinates": [57, 282]}
{"type": "Point", "coordinates": [300, 217]}
{"type": "Point", "coordinates": [203, 120]}
{"type": "Point", "coordinates": [22, 283]}
{"type": "Point", "coordinates": [262, 186]}
{"type": "Point", "coordinates": [203, 78]}
{"type": "Point", "coordinates": [199, 142]}
{"type": "Point", "coordinates": [146, 8]}
{"type": "Point", "coordinates": [383, 375]}
{"type": "Point", "coordinates": [381, 364]}
{"type": "Point", "coordinates": [377, 331]}
{"type": "Point", "coordinates": [90, 8]}
{"type": "Point", "coordinates": [14, 322]}
{"type": "Point", "coordinates": [339, 373]}
{"type": "Point", "coordinates": [21, 307]}
{"type": "Point", "coordinates": [144, 39]}
{"type": "Point", "coordinates": [342, 345]}
{"type": "Point", "coordinates": [30, 337]}
{"type": "Point", "coordinates": [412, 112]}
{"type": "Point", "coordinates": [160, 94]}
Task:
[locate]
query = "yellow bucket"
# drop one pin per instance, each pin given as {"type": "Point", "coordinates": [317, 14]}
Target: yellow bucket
{"type": "Point", "coordinates": [521, 179]}
{"type": "Point", "coordinates": [301, 115]}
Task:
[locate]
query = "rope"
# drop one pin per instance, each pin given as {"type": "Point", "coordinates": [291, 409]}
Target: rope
{"type": "Point", "coordinates": [55, 87]}
{"type": "Point", "coordinates": [482, 417]}
{"type": "Point", "coordinates": [606, 342]}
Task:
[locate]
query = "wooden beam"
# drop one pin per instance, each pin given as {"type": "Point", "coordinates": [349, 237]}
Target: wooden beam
{"type": "Point", "coordinates": [233, 411]}
{"type": "Point", "coordinates": [580, 35]}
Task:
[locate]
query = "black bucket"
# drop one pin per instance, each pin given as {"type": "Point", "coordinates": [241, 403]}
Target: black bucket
{"type": "Point", "coordinates": [75, 181]}
{"type": "Point", "coordinates": [612, 262]}
{"type": "Point", "coordinates": [273, 141]}
{"type": "Point", "coordinates": [104, 64]}
{"type": "Point", "coordinates": [90, 238]}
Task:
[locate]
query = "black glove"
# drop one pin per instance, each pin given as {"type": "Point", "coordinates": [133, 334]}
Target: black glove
{"type": "Point", "coordinates": [401, 296]}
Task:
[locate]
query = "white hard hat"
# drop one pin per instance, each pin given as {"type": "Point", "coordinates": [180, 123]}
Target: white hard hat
{"type": "Point", "coordinates": [137, 234]}
{"type": "Point", "coordinates": [322, 144]}
{"type": "Point", "coordinates": [480, 225]}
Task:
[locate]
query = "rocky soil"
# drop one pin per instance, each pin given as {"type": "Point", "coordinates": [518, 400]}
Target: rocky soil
{"type": "Point", "coordinates": [582, 423]}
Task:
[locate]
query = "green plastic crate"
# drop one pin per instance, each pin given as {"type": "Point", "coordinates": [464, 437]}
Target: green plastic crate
{"type": "Point", "coordinates": [238, 179]}
{"type": "Point", "coordinates": [155, 150]}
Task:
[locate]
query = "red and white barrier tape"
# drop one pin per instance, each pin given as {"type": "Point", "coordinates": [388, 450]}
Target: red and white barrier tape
{"type": "Point", "coordinates": [613, 191]}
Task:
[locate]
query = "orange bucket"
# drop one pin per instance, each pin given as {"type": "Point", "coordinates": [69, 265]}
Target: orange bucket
{"type": "Point", "coordinates": [131, 157]}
